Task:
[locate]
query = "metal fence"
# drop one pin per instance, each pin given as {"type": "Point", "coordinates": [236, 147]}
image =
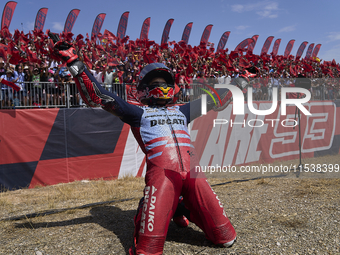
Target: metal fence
{"type": "Point", "coordinates": [59, 95]}
{"type": "Point", "coordinates": [48, 95]}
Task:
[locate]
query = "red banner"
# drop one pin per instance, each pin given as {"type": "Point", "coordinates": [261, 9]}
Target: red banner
{"type": "Point", "coordinates": [109, 35]}
{"type": "Point", "coordinates": [144, 33]}
{"type": "Point", "coordinates": [166, 31]}
{"type": "Point", "coordinates": [309, 51]}
{"type": "Point", "coordinates": [244, 44]}
{"type": "Point", "coordinates": [71, 19]}
{"type": "Point", "coordinates": [316, 50]}
{"type": "Point", "coordinates": [97, 25]}
{"type": "Point", "coordinates": [237, 141]}
{"type": "Point", "coordinates": [276, 47]}
{"type": "Point", "coordinates": [289, 48]}
{"type": "Point", "coordinates": [28, 158]}
{"type": "Point", "coordinates": [266, 45]}
{"type": "Point", "coordinates": [186, 32]}
{"type": "Point", "coordinates": [10, 84]}
{"type": "Point", "coordinates": [223, 41]}
{"type": "Point", "coordinates": [42, 151]}
{"type": "Point", "coordinates": [121, 30]}
{"type": "Point", "coordinates": [206, 34]}
{"type": "Point", "coordinates": [252, 45]}
{"type": "Point", "coordinates": [301, 49]}
{"type": "Point", "coordinates": [8, 14]}
{"type": "Point", "coordinates": [40, 19]}
{"type": "Point", "coordinates": [4, 51]}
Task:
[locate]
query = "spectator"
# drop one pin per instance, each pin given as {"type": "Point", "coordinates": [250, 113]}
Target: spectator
{"type": "Point", "coordinates": [59, 79]}
{"type": "Point", "coordinates": [197, 62]}
{"type": "Point", "coordinates": [264, 86]}
{"type": "Point", "coordinates": [108, 77]}
{"type": "Point", "coordinates": [44, 83]}
{"type": "Point", "coordinates": [20, 82]}
{"type": "Point", "coordinates": [97, 74]}
{"type": "Point", "coordinates": [115, 83]}
{"type": "Point", "coordinates": [36, 88]}
{"type": "Point", "coordinates": [127, 79]}
{"type": "Point", "coordinates": [2, 67]}
{"type": "Point", "coordinates": [7, 92]}
{"type": "Point", "coordinates": [74, 96]}
{"type": "Point", "coordinates": [51, 89]}
{"type": "Point", "coordinates": [27, 80]}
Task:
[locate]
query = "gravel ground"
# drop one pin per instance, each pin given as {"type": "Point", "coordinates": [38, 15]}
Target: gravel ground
{"type": "Point", "coordinates": [270, 215]}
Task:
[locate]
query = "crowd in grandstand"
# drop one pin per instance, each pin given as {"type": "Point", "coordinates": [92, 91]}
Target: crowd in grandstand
{"type": "Point", "coordinates": [28, 60]}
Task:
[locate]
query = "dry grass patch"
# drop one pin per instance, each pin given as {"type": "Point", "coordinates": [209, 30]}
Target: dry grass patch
{"type": "Point", "coordinates": [315, 187]}
{"type": "Point", "coordinates": [69, 195]}
{"type": "Point", "coordinates": [4, 202]}
{"type": "Point", "coordinates": [263, 181]}
{"type": "Point", "coordinates": [291, 221]}
{"type": "Point", "coordinates": [270, 215]}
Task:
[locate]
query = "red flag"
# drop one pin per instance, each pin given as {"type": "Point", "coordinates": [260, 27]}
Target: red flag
{"type": "Point", "coordinates": [252, 45]}
{"type": "Point", "coordinates": [276, 47]}
{"type": "Point", "coordinates": [109, 35]}
{"type": "Point", "coordinates": [67, 36]}
{"type": "Point", "coordinates": [144, 33]}
{"type": "Point", "coordinates": [8, 14]}
{"type": "Point", "coordinates": [40, 19]}
{"type": "Point", "coordinates": [244, 44]}
{"type": "Point", "coordinates": [5, 33]}
{"type": "Point", "coordinates": [233, 54]}
{"type": "Point", "coordinates": [206, 34]}
{"type": "Point", "coordinates": [309, 51]}
{"type": "Point", "coordinates": [252, 58]}
{"type": "Point", "coordinates": [95, 56]}
{"type": "Point", "coordinates": [308, 68]}
{"type": "Point", "coordinates": [316, 50]}
{"type": "Point", "coordinates": [4, 51]}
{"type": "Point", "coordinates": [292, 71]}
{"type": "Point", "coordinates": [149, 43]}
{"type": "Point", "coordinates": [79, 37]}
{"type": "Point", "coordinates": [186, 32]}
{"type": "Point", "coordinates": [189, 69]}
{"type": "Point", "coordinates": [244, 63]}
{"type": "Point", "coordinates": [40, 47]}
{"type": "Point", "coordinates": [71, 19]}
{"type": "Point", "coordinates": [16, 58]}
{"type": "Point", "coordinates": [121, 30]}
{"type": "Point", "coordinates": [87, 60]}
{"type": "Point", "coordinates": [227, 62]}
{"type": "Point", "coordinates": [166, 31]}
{"type": "Point", "coordinates": [10, 84]}
{"type": "Point", "coordinates": [121, 52]}
{"type": "Point", "coordinates": [333, 63]}
{"type": "Point", "coordinates": [97, 25]}
{"type": "Point", "coordinates": [223, 41]}
{"type": "Point", "coordinates": [301, 49]}
{"type": "Point", "coordinates": [266, 45]}
{"type": "Point", "coordinates": [32, 56]}
{"type": "Point", "coordinates": [125, 39]}
{"type": "Point", "coordinates": [112, 62]}
{"type": "Point", "coordinates": [289, 48]}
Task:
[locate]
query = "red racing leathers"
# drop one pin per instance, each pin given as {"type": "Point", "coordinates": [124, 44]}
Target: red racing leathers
{"type": "Point", "coordinates": [163, 135]}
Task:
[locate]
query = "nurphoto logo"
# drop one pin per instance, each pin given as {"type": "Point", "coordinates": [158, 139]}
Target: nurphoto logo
{"type": "Point", "coordinates": [238, 100]}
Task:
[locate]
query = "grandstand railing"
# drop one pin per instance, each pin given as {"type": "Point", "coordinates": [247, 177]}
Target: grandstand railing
{"type": "Point", "coordinates": [48, 95]}
{"type": "Point", "coordinates": [66, 95]}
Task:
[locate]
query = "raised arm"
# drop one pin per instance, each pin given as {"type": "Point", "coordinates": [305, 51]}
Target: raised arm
{"type": "Point", "coordinates": [91, 91]}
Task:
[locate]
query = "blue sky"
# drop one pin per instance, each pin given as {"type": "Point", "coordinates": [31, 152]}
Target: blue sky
{"type": "Point", "coordinates": [313, 21]}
